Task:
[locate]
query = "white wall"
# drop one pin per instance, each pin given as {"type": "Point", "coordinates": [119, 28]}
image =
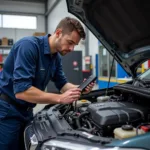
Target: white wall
{"type": "Point", "coordinates": [17, 7]}
{"type": "Point", "coordinates": [26, 7]}
{"type": "Point", "coordinates": [50, 3]}
{"type": "Point", "coordinates": [59, 12]}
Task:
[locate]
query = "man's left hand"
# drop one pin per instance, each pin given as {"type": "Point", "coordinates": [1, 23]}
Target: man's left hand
{"type": "Point", "coordinates": [89, 88]}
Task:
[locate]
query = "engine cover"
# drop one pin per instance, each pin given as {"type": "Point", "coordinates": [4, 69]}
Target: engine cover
{"type": "Point", "coordinates": [112, 113]}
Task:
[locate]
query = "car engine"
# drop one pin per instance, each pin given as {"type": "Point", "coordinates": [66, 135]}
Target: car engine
{"type": "Point", "coordinates": [127, 106]}
{"type": "Point", "coordinates": [123, 113]}
{"type": "Point", "coordinates": [102, 118]}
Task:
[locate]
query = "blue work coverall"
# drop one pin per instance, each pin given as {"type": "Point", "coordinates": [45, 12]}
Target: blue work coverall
{"type": "Point", "coordinates": [29, 63]}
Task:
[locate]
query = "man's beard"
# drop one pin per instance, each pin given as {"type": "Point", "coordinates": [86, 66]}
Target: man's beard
{"type": "Point", "coordinates": [59, 48]}
{"type": "Point", "coordinates": [62, 53]}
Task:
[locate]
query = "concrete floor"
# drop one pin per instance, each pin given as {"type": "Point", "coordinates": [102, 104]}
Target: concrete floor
{"type": "Point", "coordinates": [39, 107]}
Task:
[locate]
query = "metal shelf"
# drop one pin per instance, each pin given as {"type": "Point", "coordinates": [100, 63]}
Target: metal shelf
{"type": "Point", "coordinates": [5, 46]}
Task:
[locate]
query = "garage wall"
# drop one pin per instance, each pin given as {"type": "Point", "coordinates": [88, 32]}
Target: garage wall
{"type": "Point", "coordinates": [26, 7]}
{"type": "Point", "coordinates": [23, 9]}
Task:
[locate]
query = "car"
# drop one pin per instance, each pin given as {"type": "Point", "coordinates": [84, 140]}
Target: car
{"type": "Point", "coordinates": [116, 118]}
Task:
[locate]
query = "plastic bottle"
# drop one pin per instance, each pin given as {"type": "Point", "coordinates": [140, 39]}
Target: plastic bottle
{"type": "Point", "coordinates": [81, 102]}
{"type": "Point", "coordinates": [121, 133]}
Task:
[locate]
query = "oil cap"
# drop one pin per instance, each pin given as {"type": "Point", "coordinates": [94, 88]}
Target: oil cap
{"type": "Point", "coordinates": [127, 127]}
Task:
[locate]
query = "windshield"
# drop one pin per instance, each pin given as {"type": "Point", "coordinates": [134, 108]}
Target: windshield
{"type": "Point", "coordinates": [145, 75]}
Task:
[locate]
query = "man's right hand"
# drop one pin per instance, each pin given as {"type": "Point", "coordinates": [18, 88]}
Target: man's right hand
{"type": "Point", "coordinates": [34, 95]}
{"type": "Point", "coordinates": [70, 96]}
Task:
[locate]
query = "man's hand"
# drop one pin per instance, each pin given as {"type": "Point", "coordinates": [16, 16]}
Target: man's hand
{"type": "Point", "coordinates": [70, 96]}
{"type": "Point", "coordinates": [89, 88]}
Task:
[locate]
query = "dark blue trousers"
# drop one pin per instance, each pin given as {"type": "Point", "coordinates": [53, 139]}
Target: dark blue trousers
{"type": "Point", "coordinates": [12, 123]}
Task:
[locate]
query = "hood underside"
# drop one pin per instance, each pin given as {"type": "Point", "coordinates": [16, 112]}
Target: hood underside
{"type": "Point", "coordinates": [122, 26]}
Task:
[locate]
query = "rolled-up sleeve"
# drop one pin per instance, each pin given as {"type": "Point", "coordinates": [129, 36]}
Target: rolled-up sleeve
{"type": "Point", "coordinates": [25, 66]}
{"type": "Point", "coordinates": [59, 78]}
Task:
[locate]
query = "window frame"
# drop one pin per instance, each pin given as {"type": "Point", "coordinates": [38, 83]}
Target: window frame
{"type": "Point", "coordinates": [108, 64]}
{"type": "Point", "coordinates": [28, 28]}
{"type": "Point", "coordinates": [1, 21]}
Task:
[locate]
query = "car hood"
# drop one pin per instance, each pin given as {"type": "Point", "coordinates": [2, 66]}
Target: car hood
{"type": "Point", "coordinates": [122, 26]}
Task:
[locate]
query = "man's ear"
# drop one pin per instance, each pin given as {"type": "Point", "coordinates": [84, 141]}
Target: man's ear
{"type": "Point", "coordinates": [58, 32]}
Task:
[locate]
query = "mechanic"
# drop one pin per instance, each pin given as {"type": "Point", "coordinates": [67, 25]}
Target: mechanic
{"type": "Point", "coordinates": [30, 65]}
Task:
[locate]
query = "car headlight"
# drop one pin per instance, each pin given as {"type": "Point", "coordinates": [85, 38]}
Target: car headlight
{"type": "Point", "coordinates": [64, 145]}
{"type": "Point", "coordinates": [30, 140]}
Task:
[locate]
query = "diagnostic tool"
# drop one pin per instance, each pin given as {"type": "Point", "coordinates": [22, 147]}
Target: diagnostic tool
{"type": "Point", "coordinates": [85, 83]}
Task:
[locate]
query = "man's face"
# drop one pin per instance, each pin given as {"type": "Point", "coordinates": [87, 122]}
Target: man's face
{"type": "Point", "coordinates": [65, 43]}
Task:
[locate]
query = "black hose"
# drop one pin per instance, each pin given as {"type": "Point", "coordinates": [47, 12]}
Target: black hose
{"type": "Point", "coordinates": [86, 130]}
{"type": "Point", "coordinates": [61, 116]}
{"type": "Point", "coordinates": [78, 119]}
{"type": "Point", "coordinates": [89, 124]}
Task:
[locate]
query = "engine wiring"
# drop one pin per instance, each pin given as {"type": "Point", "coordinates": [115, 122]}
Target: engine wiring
{"type": "Point", "coordinates": [62, 115]}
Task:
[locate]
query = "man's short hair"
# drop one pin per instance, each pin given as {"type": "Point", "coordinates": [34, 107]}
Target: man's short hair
{"type": "Point", "coordinates": [69, 24]}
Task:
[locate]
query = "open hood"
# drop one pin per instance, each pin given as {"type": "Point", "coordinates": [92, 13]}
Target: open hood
{"type": "Point", "coordinates": [122, 26]}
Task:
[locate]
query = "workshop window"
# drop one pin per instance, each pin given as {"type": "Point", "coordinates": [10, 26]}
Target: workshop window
{"type": "Point", "coordinates": [21, 22]}
{"type": "Point", "coordinates": [105, 63]}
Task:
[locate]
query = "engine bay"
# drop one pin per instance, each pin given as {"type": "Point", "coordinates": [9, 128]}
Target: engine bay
{"type": "Point", "coordinates": [102, 118]}
{"type": "Point", "coordinates": [123, 113]}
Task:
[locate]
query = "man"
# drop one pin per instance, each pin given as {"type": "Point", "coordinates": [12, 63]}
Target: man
{"type": "Point", "coordinates": [31, 63]}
